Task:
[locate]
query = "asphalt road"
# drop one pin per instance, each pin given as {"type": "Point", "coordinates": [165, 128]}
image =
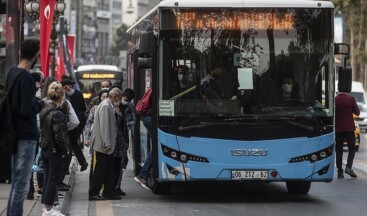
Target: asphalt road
{"type": "Point", "coordinates": [339, 198]}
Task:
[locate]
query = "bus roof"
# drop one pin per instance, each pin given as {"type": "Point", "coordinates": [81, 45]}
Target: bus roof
{"type": "Point", "coordinates": [83, 68]}
{"type": "Point", "coordinates": [247, 3]}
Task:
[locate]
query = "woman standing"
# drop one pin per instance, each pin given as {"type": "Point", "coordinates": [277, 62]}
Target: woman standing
{"type": "Point", "coordinates": [54, 144]}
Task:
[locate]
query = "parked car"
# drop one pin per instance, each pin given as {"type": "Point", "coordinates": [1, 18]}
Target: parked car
{"type": "Point", "coordinates": [357, 133]}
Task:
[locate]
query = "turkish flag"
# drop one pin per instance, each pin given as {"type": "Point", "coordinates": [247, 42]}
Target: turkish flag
{"type": "Point", "coordinates": [60, 70]}
{"type": "Point", "coordinates": [47, 9]}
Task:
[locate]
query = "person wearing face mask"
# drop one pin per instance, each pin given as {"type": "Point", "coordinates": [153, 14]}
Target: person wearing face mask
{"type": "Point", "coordinates": [77, 102]}
{"type": "Point", "coordinates": [290, 89]}
{"type": "Point", "coordinates": [105, 85]}
{"type": "Point", "coordinates": [103, 142]}
{"type": "Point", "coordinates": [125, 118]}
{"type": "Point", "coordinates": [24, 107]}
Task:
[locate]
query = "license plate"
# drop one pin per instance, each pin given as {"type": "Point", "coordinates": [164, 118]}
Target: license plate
{"type": "Point", "coordinates": [249, 174]}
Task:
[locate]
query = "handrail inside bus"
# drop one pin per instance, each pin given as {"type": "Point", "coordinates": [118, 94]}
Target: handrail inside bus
{"type": "Point", "coordinates": [183, 93]}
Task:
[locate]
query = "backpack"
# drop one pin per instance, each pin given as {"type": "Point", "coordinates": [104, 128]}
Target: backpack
{"type": "Point", "coordinates": [144, 105]}
{"type": "Point", "coordinates": [8, 135]}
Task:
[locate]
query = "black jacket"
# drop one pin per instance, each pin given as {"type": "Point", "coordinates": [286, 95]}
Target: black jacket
{"type": "Point", "coordinates": [54, 132]}
{"type": "Point", "coordinates": [24, 104]}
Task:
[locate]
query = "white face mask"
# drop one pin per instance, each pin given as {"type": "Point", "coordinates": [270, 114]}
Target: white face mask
{"type": "Point", "coordinates": [71, 92]}
{"type": "Point", "coordinates": [180, 76]}
{"type": "Point", "coordinates": [124, 102]}
{"type": "Point", "coordinates": [117, 103]}
{"type": "Point", "coordinates": [287, 88]}
{"type": "Point", "coordinates": [104, 88]}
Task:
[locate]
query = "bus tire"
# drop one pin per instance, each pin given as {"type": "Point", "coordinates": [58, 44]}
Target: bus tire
{"type": "Point", "coordinates": [162, 188]}
{"type": "Point", "coordinates": [298, 187]}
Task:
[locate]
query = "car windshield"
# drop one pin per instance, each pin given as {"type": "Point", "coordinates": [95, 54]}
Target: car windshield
{"type": "Point", "coordinates": [235, 62]}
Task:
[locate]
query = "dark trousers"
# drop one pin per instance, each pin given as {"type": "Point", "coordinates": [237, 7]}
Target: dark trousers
{"type": "Point", "coordinates": [53, 165]}
{"type": "Point", "coordinates": [74, 137]}
{"type": "Point", "coordinates": [340, 137]}
{"type": "Point", "coordinates": [103, 174]}
{"type": "Point", "coordinates": [66, 160]}
{"type": "Point", "coordinates": [118, 171]}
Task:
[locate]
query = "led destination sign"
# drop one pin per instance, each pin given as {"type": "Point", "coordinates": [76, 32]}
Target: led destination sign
{"type": "Point", "coordinates": [99, 76]}
{"type": "Point", "coordinates": [235, 20]}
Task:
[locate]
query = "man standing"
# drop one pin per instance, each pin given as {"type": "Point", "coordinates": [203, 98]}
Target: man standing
{"type": "Point", "coordinates": [105, 85]}
{"type": "Point", "coordinates": [77, 101]}
{"type": "Point", "coordinates": [345, 107]}
{"type": "Point", "coordinates": [103, 140]}
{"type": "Point", "coordinates": [24, 108]}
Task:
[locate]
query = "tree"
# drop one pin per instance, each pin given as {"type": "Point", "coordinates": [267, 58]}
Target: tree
{"type": "Point", "coordinates": [356, 31]}
{"type": "Point", "coordinates": [119, 40]}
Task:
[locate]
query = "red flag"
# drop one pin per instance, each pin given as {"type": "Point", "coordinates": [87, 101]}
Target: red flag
{"type": "Point", "coordinates": [60, 69]}
{"type": "Point", "coordinates": [47, 8]}
{"type": "Point", "coordinates": [71, 43]}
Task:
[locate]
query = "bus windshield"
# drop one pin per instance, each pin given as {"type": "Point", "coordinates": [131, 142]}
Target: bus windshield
{"type": "Point", "coordinates": [248, 61]}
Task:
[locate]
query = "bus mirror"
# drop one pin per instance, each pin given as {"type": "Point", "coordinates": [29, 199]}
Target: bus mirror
{"type": "Point", "coordinates": [341, 49]}
{"type": "Point", "coordinates": [146, 45]}
{"type": "Point", "coordinates": [145, 63]}
{"type": "Point", "coordinates": [345, 79]}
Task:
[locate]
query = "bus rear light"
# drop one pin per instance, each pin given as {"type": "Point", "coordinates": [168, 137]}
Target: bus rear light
{"type": "Point", "coordinates": [182, 156]}
{"type": "Point", "coordinates": [315, 156]}
{"type": "Point", "coordinates": [274, 173]}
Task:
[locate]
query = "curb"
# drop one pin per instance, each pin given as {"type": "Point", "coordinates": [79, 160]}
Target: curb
{"type": "Point", "coordinates": [73, 169]}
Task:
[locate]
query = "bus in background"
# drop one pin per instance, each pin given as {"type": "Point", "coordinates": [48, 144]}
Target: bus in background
{"type": "Point", "coordinates": [90, 77]}
{"type": "Point", "coordinates": [237, 91]}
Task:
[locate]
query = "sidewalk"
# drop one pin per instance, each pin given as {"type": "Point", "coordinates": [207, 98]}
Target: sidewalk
{"type": "Point", "coordinates": [34, 207]}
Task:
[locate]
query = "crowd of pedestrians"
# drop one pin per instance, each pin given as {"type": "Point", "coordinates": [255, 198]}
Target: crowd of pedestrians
{"type": "Point", "coordinates": [51, 116]}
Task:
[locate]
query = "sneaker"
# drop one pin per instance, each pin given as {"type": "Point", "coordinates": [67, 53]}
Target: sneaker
{"type": "Point", "coordinates": [143, 182]}
{"type": "Point", "coordinates": [61, 195]}
{"type": "Point", "coordinates": [350, 172]}
{"type": "Point", "coordinates": [30, 196]}
{"type": "Point", "coordinates": [39, 193]}
{"type": "Point", "coordinates": [340, 175]}
{"type": "Point", "coordinates": [51, 212]}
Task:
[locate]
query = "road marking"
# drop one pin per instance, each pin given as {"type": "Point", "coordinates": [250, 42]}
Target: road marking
{"type": "Point", "coordinates": [104, 208]}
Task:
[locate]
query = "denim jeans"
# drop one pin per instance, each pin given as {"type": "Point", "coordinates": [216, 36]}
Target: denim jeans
{"type": "Point", "coordinates": [53, 165]}
{"type": "Point", "coordinates": [21, 169]}
{"type": "Point", "coordinates": [144, 172]}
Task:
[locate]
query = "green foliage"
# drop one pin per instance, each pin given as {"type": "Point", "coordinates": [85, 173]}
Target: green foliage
{"type": "Point", "coordinates": [119, 40]}
{"type": "Point", "coordinates": [356, 32]}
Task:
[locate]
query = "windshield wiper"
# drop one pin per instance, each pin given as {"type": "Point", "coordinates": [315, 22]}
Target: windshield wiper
{"type": "Point", "coordinates": [208, 124]}
{"type": "Point", "coordinates": [289, 120]}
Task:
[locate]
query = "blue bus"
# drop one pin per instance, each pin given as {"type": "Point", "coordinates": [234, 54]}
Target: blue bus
{"type": "Point", "coordinates": [241, 91]}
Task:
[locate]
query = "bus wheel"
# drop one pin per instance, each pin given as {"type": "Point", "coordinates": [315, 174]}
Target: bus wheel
{"type": "Point", "coordinates": [298, 187]}
{"type": "Point", "coordinates": [162, 188]}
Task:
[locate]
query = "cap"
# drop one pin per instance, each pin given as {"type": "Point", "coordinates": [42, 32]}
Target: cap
{"type": "Point", "coordinates": [65, 82]}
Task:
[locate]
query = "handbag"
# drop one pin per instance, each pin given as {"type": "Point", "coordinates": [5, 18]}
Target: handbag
{"type": "Point", "coordinates": [37, 163]}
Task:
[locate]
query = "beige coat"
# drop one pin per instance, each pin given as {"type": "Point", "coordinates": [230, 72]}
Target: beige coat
{"type": "Point", "coordinates": [104, 128]}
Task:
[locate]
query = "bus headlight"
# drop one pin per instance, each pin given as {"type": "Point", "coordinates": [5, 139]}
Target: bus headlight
{"type": "Point", "coordinates": [315, 156]}
{"type": "Point", "coordinates": [182, 156]}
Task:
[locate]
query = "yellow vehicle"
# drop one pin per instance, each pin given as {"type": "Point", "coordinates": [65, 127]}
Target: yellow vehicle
{"type": "Point", "coordinates": [357, 133]}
